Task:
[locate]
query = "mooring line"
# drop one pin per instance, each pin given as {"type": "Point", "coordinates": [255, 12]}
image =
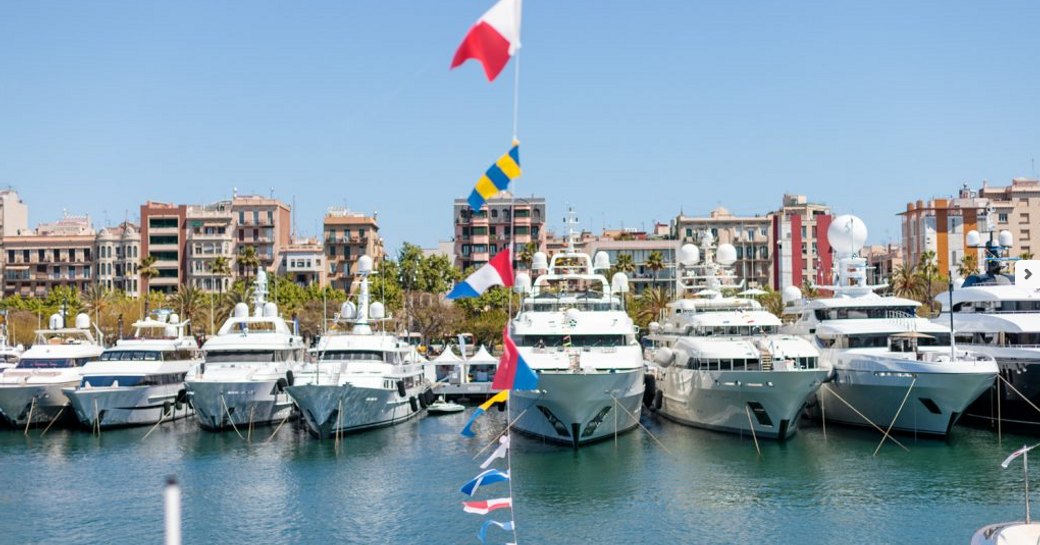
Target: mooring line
{"type": "Point", "coordinates": [896, 417]}
{"type": "Point", "coordinates": [878, 428]}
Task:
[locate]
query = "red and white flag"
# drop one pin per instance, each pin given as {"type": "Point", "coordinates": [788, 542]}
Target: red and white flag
{"type": "Point", "coordinates": [1007, 461]}
{"type": "Point", "coordinates": [486, 506]}
{"type": "Point", "coordinates": [493, 39]}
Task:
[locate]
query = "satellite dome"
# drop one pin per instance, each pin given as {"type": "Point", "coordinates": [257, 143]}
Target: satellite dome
{"type": "Point", "coordinates": [522, 284]}
{"type": "Point", "coordinates": [619, 283]}
{"type": "Point", "coordinates": [82, 321]}
{"type": "Point", "coordinates": [377, 310]}
{"type": "Point", "coordinates": [56, 321]}
{"type": "Point", "coordinates": [726, 254]}
{"type": "Point", "coordinates": [791, 293]}
{"type": "Point", "coordinates": [347, 311]}
{"type": "Point", "coordinates": [847, 234]}
{"type": "Point", "coordinates": [689, 255]}
{"type": "Point", "coordinates": [364, 265]}
{"type": "Point", "coordinates": [972, 238]}
{"type": "Point", "coordinates": [1005, 239]}
{"type": "Point", "coordinates": [270, 310]}
{"type": "Point", "coordinates": [602, 261]}
{"type": "Point", "coordinates": [539, 262]}
{"type": "Point", "coordinates": [241, 310]}
{"type": "Point", "coordinates": [664, 356]}
{"type": "Point", "coordinates": [175, 318]}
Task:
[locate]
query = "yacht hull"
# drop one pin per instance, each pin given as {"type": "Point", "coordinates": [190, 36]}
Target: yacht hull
{"type": "Point", "coordinates": [225, 405]}
{"type": "Point", "coordinates": [934, 405]}
{"type": "Point", "coordinates": [126, 406]}
{"type": "Point", "coordinates": [1007, 404]}
{"type": "Point", "coordinates": [17, 404]}
{"type": "Point", "coordinates": [335, 409]}
{"type": "Point", "coordinates": [768, 402]}
{"type": "Point", "coordinates": [579, 408]}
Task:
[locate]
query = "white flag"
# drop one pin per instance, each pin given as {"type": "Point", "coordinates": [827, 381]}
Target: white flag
{"type": "Point", "coordinates": [500, 452]}
{"type": "Point", "coordinates": [1014, 455]}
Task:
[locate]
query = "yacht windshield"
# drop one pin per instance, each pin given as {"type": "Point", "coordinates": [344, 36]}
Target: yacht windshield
{"type": "Point", "coordinates": [854, 313]}
{"type": "Point", "coordinates": [51, 363]}
{"type": "Point", "coordinates": [882, 340]}
{"type": "Point", "coordinates": [355, 355]}
{"type": "Point", "coordinates": [131, 355]}
{"type": "Point", "coordinates": [733, 330]}
{"type": "Point", "coordinates": [542, 341]}
{"type": "Point", "coordinates": [233, 356]}
{"type": "Point", "coordinates": [997, 306]}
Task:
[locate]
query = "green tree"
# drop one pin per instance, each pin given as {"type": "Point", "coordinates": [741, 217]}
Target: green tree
{"type": "Point", "coordinates": [526, 254]}
{"type": "Point", "coordinates": [809, 290]}
{"type": "Point", "coordinates": [648, 306]}
{"type": "Point", "coordinates": [147, 270]}
{"type": "Point", "coordinates": [187, 301]}
{"type": "Point", "coordinates": [969, 265]}
{"type": "Point", "coordinates": [221, 268]}
{"type": "Point", "coordinates": [1025, 255]}
{"type": "Point", "coordinates": [248, 260]}
{"type": "Point", "coordinates": [655, 262]}
{"type": "Point", "coordinates": [906, 283]}
{"type": "Point", "coordinates": [773, 301]}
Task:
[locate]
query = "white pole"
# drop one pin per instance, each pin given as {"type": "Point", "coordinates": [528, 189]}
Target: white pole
{"type": "Point", "coordinates": [173, 511]}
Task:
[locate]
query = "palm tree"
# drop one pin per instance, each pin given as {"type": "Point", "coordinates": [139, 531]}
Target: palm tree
{"type": "Point", "coordinates": [1025, 255]}
{"type": "Point", "coordinates": [187, 299]}
{"type": "Point", "coordinates": [527, 253]}
{"type": "Point", "coordinates": [929, 272]}
{"type": "Point", "coordinates": [651, 303]}
{"type": "Point", "coordinates": [655, 262]}
{"type": "Point", "coordinates": [221, 268]}
{"type": "Point", "coordinates": [809, 290]}
{"type": "Point", "coordinates": [147, 270]}
{"type": "Point", "coordinates": [773, 301]}
{"type": "Point", "coordinates": [247, 259]}
{"type": "Point", "coordinates": [969, 265]}
{"type": "Point", "coordinates": [625, 263]}
{"type": "Point", "coordinates": [906, 282]}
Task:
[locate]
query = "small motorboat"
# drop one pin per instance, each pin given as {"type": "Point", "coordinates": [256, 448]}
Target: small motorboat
{"type": "Point", "coordinates": [441, 406]}
{"type": "Point", "coordinates": [1012, 533]}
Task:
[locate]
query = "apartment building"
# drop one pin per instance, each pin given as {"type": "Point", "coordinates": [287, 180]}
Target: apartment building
{"type": "Point", "coordinates": [164, 237]}
{"type": "Point", "coordinates": [263, 223]}
{"type": "Point", "coordinates": [347, 236]}
{"type": "Point", "coordinates": [56, 254]}
{"type": "Point", "coordinates": [750, 235]}
{"type": "Point", "coordinates": [118, 252]}
{"type": "Point", "coordinates": [303, 261]}
{"type": "Point", "coordinates": [800, 249]}
{"type": "Point", "coordinates": [882, 261]}
{"type": "Point", "coordinates": [210, 232]}
{"type": "Point", "coordinates": [503, 219]}
{"type": "Point", "coordinates": [1016, 208]}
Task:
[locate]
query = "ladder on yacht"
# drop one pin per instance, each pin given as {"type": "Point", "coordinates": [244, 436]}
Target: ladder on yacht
{"type": "Point", "coordinates": [766, 360]}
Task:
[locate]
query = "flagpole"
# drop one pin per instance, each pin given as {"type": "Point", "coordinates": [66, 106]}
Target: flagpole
{"type": "Point", "coordinates": [516, 74]}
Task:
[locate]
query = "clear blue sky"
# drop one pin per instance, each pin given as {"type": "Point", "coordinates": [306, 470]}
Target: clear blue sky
{"type": "Point", "coordinates": [630, 111]}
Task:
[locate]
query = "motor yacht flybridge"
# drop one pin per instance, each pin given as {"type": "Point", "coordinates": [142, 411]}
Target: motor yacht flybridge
{"type": "Point", "coordinates": [573, 331]}
{"type": "Point", "coordinates": [719, 362]}
{"type": "Point", "coordinates": [247, 366]}
{"type": "Point", "coordinates": [361, 378]}
{"type": "Point", "coordinates": [993, 316]}
{"type": "Point", "coordinates": [140, 380]}
{"type": "Point", "coordinates": [30, 393]}
{"type": "Point", "coordinates": [882, 353]}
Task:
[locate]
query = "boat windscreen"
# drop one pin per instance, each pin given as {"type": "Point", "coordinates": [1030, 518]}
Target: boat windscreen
{"type": "Point", "coordinates": [51, 363]}
{"type": "Point", "coordinates": [234, 356]}
{"type": "Point", "coordinates": [131, 355]}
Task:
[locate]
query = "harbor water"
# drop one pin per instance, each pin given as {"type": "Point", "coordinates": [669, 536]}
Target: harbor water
{"type": "Point", "coordinates": [400, 485]}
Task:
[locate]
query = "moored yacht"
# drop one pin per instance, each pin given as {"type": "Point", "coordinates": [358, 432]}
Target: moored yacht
{"type": "Point", "coordinates": [573, 331]}
{"type": "Point", "coordinates": [30, 393]}
{"type": "Point", "coordinates": [140, 380]}
{"type": "Point", "coordinates": [882, 353]}
{"type": "Point", "coordinates": [719, 362]}
{"type": "Point", "coordinates": [360, 379]}
{"type": "Point", "coordinates": [993, 316]}
{"type": "Point", "coordinates": [9, 355]}
{"type": "Point", "coordinates": [246, 367]}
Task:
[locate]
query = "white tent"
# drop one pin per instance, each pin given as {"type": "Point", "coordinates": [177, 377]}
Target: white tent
{"type": "Point", "coordinates": [448, 357]}
{"type": "Point", "coordinates": [482, 357]}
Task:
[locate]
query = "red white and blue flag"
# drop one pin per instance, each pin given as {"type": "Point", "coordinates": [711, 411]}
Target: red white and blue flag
{"type": "Point", "coordinates": [493, 39]}
{"type": "Point", "coordinates": [490, 476]}
{"type": "Point", "coordinates": [486, 506]}
{"type": "Point", "coordinates": [497, 272]}
{"type": "Point", "coordinates": [513, 372]}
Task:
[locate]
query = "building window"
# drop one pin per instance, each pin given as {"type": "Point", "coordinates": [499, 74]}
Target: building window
{"type": "Point", "coordinates": [270, 216]}
{"type": "Point", "coordinates": [162, 223]}
{"type": "Point", "coordinates": [1024, 235]}
{"type": "Point", "coordinates": [332, 251]}
{"type": "Point", "coordinates": [1024, 218]}
{"type": "Point", "coordinates": [162, 239]}
{"type": "Point", "coordinates": [494, 214]}
{"type": "Point", "coordinates": [1002, 218]}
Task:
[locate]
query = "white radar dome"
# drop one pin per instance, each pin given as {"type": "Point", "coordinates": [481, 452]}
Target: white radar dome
{"type": "Point", "coordinates": [654, 327]}
{"type": "Point", "coordinates": [270, 310]}
{"type": "Point", "coordinates": [241, 310]}
{"type": "Point", "coordinates": [522, 284]}
{"type": "Point", "coordinates": [377, 310]}
{"type": "Point", "coordinates": [791, 293]}
{"type": "Point", "coordinates": [1005, 239]}
{"type": "Point", "coordinates": [364, 265]}
{"type": "Point", "coordinates": [726, 255]}
{"type": "Point", "coordinates": [347, 311]}
{"type": "Point", "coordinates": [82, 321]}
{"type": "Point", "coordinates": [56, 321]}
{"type": "Point", "coordinates": [175, 319]}
{"type": "Point", "coordinates": [847, 234]}
{"type": "Point", "coordinates": [619, 283]}
{"type": "Point", "coordinates": [689, 255]}
{"type": "Point", "coordinates": [972, 238]}
{"type": "Point", "coordinates": [539, 262]}
{"type": "Point", "coordinates": [602, 261]}
{"type": "Point", "coordinates": [664, 356]}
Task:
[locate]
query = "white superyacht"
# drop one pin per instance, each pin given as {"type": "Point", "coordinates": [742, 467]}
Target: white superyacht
{"type": "Point", "coordinates": [247, 366]}
{"type": "Point", "coordinates": [720, 363]}
{"type": "Point", "coordinates": [140, 380]}
{"type": "Point", "coordinates": [993, 316]}
{"type": "Point", "coordinates": [30, 393]}
{"type": "Point", "coordinates": [573, 331]}
{"type": "Point", "coordinates": [882, 353]}
{"type": "Point", "coordinates": [9, 355]}
{"type": "Point", "coordinates": [361, 379]}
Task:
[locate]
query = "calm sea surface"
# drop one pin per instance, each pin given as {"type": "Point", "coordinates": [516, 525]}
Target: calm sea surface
{"type": "Point", "coordinates": [400, 485]}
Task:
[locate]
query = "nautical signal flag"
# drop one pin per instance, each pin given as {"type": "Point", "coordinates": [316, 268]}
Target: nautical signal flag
{"type": "Point", "coordinates": [490, 476]}
{"type": "Point", "coordinates": [500, 397]}
{"type": "Point", "coordinates": [513, 372]}
{"type": "Point", "coordinates": [507, 526]}
{"type": "Point", "coordinates": [486, 506]}
{"type": "Point", "coordinates": [500, 452]}
{"type": "Point", "coordinates": [493, 39]}
{"type": "Point", "coordinates": [496, 178]}
{"type": "Point", "coordinates": [497, 272]}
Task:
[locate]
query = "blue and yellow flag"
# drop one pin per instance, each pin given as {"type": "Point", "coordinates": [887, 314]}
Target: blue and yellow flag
{"type": "Point", "coordinates": [500, 397]}
{"type": "Point", "coordinates": [497, 177]}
